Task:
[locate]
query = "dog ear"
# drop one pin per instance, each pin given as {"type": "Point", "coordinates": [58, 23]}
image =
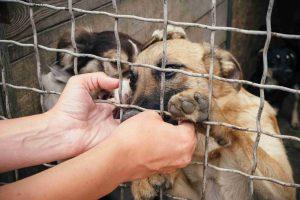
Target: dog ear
{"type": "Point", "coordinates": [173, 32]}
{"type": "Point", "coordinates": [227, 64]}
{"type": "Point", "coordinates": [84, 43]}
{"type": "Point", "coordinates": [59, 74]}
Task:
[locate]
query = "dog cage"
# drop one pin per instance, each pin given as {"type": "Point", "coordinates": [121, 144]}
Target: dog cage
{"type": "Point", "coordinates": [165, 21]}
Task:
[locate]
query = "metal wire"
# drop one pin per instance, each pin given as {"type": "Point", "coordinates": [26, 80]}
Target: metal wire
{"type": "Point", "coordinates": [120, 74]}
{"type": "Point", "coordinates": [252, 177]}
{"type": "Point", "coordinates": [163, 66]}
{"type": "Point", "coordinates": [210, 92]}
{"type": "Point", "coordinates": [37, 54]}
{"type": "Point", "coordinates": [119, 67]}
{"type": "Point", "coordinates": [73, 36]}
{"type": "Point", "coordinates": [165, 21]}
{"type": "Point", "coordinates": [262, 94]}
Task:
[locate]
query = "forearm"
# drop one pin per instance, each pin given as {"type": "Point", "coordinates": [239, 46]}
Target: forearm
{"type": "Point", "coordinates": [88, 176]}
{"type": "Point", "coordinates": [32, 140]}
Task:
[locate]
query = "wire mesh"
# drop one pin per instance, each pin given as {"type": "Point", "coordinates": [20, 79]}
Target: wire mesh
{"type": "Point", "coordinates": [165, 21]}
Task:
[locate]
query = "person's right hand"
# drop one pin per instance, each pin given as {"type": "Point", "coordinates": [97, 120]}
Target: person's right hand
{"type": "Point", "coordinates": [152, 146]}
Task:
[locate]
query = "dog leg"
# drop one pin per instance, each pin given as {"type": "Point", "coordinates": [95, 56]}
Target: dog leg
{"type": "Point", "coordinates": [149, 188]}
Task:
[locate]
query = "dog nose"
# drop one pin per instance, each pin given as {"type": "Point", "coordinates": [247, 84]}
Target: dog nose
{"type": "Point", "coordinates": [129, 113]}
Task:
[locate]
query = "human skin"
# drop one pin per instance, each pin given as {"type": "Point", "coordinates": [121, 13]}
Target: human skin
{"type": "Point", "coordinates": [106, 153]}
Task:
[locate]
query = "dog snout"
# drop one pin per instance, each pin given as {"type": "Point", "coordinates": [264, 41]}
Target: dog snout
{"type": "Point", "coordinates": [129, 113]}
{"type": "Point", "coordinates": [126, 92]}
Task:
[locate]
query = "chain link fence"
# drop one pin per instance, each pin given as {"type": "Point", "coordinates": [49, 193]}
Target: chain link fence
{"type": "Point", "coordinates": [165, 21]}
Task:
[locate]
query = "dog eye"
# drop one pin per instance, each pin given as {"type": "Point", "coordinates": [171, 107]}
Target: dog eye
{"type": "Point", "coordinates": [132, 79]}
{"type": "Point", "coordinates": [169, 75]}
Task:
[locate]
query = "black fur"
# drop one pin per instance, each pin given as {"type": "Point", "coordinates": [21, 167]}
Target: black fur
{"type": "Point", "coordinates": [282, 61]}
{"type": "Point", "coordinates": [96, 43]}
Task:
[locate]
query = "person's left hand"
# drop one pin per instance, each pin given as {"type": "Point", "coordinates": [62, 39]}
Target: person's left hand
{"type": "Point", "coordinates": [85, 122]}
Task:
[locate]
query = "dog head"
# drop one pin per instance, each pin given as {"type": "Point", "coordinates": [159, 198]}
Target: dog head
{"type": "Point", "coordinates": [282, 66]}
{"type": "Point", "coordinates": [184, 55]}
{"type": "Point", "coordinates": [101, 44]}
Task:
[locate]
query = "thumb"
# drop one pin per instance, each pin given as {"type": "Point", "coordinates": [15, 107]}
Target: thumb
{"type": "Point", "coordinates": [95, 81]}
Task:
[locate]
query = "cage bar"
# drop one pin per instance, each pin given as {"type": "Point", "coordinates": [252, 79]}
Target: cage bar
{"type": "Point", "coordinates": [73, 36]}
{"type": "Point", "coordinates": [210, 92]}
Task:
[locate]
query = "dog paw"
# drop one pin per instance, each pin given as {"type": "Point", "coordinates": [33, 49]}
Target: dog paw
{"type": "Point", "coordinates": [147, 189]}
{"type": "Point", "coordinates": [173, 32]}
{"type": "Point", "coordinates": [189, 106]}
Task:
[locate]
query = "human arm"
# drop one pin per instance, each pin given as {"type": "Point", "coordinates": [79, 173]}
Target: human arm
{"type": "Point", "coordinates": [135, 150]}
{"type": "Point", "coordinates": [73, 126]}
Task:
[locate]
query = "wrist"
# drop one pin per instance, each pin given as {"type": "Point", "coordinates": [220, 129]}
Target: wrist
{"type": "Point", "coordinates": [67, 137]}
{"type": "Point", "coordinates": [124, 158]}
{"type": "Point", "coordinates": [116, 160]}
{"type": "Point", "coordinates": [33, 140]}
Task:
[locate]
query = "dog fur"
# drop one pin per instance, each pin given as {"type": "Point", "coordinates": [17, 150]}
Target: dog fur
{"type": "Point", "coordinates": [102, 44]}
{"type": "Point", "coordinates": [282, 70]}
{"type": "Point", "coordinates": [186, 98]}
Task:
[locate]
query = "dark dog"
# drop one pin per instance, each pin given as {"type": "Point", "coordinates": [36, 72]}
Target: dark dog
{"type": "Point", "coordinates": [283, 71]}
{"type": "Point", "coordinates": [101, 44]}
{"type": "Point", "coordinates": [186, 98]}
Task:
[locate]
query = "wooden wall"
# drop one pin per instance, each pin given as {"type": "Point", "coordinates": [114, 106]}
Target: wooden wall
{"type": "Point", "coordinates": [246, 47]}
{"type": "Point", "coordinates": [51, 24]}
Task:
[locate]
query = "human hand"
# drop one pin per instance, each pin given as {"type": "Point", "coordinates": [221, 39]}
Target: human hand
{"type": "Point", "coordinates": [152, 146]}
{"type": "Point", "coordinates": [83, 122]}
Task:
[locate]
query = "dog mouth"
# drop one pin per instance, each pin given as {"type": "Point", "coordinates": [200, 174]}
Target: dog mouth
{"type": "Point", "coordinates": [169, 119]}
{"type": "Point", "coordinates": [128, 113]}
{"type": "Point", "coordinates": [116, 113]}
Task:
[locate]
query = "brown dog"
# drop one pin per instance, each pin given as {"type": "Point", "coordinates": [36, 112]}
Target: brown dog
{"type": "Point", "coordinates": [186, 98]}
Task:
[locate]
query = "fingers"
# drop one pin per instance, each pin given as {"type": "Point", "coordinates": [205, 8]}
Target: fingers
{"type": "Point", "coordinates": [95, 81]}
{"type": "Point", "coordinates": [189, 141]}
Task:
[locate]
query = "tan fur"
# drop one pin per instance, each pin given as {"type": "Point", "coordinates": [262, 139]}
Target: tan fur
{"type": "Point", "coordinates": [111, 69]}
{"type": "Point", "coordinates": [228, 148]}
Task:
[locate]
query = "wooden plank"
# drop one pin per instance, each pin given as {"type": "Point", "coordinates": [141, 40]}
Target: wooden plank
{"type": "Point", "coordinates": [4, 63]}
{"type": "Point", "coordinates": [20, 26]}
{"type": "Point", "coordinates": [24, 102]}
{"type": "Point", "coordinates": [45, 19]}
{"type": "Point", "coordinates": [177, 11]}
{"type": "Point", "coordinates": [241, 45]}
{"type": "Point", "coordinates": [203, 35]}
